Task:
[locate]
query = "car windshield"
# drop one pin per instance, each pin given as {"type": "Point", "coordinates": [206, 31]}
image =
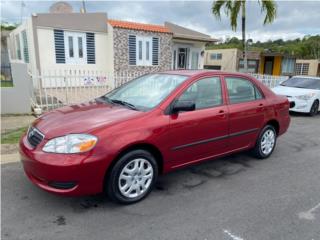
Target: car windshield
{"type": "Point", "coordinates": [300, 82]}
{"type": "Point", "coordinates": [146, 92]}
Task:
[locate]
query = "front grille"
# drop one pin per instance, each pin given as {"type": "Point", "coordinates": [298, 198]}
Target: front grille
{"type": "Point", "coordinates": [34, 136]}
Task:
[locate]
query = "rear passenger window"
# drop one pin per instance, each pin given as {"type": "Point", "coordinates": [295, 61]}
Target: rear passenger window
{"type": "Point", "coordinates": [205, 93]}
{"type": "Point", "coordinates": [241, 90]}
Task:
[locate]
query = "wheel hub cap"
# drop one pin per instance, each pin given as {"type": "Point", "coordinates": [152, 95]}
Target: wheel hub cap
{"type": "Point", "coordinates": [135, 178]}
{"type": "Point", "coordinates": [267, 142]}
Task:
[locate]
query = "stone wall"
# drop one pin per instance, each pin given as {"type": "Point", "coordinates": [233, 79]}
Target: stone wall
{"type": "Point", "coordinates": [121, 52]}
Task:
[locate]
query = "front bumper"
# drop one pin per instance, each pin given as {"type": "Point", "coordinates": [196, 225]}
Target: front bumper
{"type": "Point", "coordinates": [302, 106]}
{"type": "Point", "coordinates": [65, 174]}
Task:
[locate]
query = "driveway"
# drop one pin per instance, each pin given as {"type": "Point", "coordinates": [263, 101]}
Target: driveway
{"type": "Point", "coordinates": [237, 198]}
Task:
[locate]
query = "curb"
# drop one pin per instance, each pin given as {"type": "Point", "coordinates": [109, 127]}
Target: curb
{"type": "Point", "coordinates": [10, 158]}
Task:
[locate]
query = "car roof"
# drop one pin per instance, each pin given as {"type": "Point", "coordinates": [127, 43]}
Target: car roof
{"type": "Point", "coordinates": [193, 73]}
{"type": "Point", "coordinates": [304, 76]}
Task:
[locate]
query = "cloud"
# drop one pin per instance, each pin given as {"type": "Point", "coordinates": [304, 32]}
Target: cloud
{"type": "Point", "coordinates": [294, 18]}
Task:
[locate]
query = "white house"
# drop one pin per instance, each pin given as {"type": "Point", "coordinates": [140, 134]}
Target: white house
{"type": "Point", "coordinates": [63, 41]}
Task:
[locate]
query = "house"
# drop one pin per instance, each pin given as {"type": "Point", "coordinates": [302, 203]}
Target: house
{"type": "Point", "coordinates": [231, 60]}
{"type": "Point", "coordinates": [268, 63]}
{"type": "Point", "coordinates": [63, 41]}
{"type": "Point", "coordinates": [187, 47]}
{"type": "Point", "coordinates": [77, 42]}
{"type": "Point", "coordinates": [139, 47]}
{"type": "Point", "coordinates": [310, 67]}
{"type": "Point", "coordinates": [277, 64]}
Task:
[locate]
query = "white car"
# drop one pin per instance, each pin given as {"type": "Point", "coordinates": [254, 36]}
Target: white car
{"type": "Point", "coordinates": [303, 93]}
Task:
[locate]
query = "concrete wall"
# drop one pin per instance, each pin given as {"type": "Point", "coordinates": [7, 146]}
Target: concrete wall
{"type": "Point", "coordinates": [121, 51]}
{"type": "Point", "coordinates": [17, 99]}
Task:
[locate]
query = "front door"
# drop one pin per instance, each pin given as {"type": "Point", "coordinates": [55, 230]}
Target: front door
{"type": "Point", "coordinates": [182, 58]}
{"type": "Point", "coordinates": [268, 65]}
{"type": "Point", "coordinates": [201, 133]}
{"type": "Point", "coordinates": [246, 112]}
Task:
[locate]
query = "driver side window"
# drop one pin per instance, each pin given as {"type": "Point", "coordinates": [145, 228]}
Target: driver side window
{"type": "Point", "coordinates": [205, 93]}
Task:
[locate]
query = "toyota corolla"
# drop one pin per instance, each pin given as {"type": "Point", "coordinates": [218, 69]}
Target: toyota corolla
{"type": "Point", "coordinates": [120, 142]}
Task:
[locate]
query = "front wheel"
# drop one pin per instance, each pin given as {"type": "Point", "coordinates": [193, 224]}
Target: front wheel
{"type": "Point", "coordinates": [132, 177]}
{"type": "Point", "coordinates": [265, 143]}
{"type": "Point", "coordinates": [314, 108]}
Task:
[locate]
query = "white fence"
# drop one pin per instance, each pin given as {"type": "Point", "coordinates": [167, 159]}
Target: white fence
{"type": "Point", "coordinates": [269, 80]}
{"type": "Point", "coordinates": [53, 89]}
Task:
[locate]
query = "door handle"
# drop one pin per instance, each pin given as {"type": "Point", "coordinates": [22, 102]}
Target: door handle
{"type": "Point", "coordinates": [221, 111]}
{"type": "Point", "coordinates": [261, 105]}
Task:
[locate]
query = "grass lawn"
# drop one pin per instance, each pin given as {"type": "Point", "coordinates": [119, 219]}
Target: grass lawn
{"type": "Point", "coordinates": [6, 84]}
{"type": "Point", "coordinates": [12, 136]}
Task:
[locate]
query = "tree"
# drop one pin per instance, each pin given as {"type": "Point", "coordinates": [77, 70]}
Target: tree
{"type": "Point", "coordinates": [232, 9]}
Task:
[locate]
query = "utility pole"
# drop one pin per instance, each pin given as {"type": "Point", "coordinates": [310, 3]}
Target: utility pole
{"type": "Point", "coordinates": [84, 6]}
{"type": "Point", "coordinates": [21, 12]}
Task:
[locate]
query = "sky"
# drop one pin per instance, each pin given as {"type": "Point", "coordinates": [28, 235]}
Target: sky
{"type": "Point", "coordinates": [295, 19]}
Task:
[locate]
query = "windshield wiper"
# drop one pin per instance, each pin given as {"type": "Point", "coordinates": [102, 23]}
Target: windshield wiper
{"type": "Point", "coordinates": [104, 99]}
{"type": "Point", "coordinates": [129, 105]}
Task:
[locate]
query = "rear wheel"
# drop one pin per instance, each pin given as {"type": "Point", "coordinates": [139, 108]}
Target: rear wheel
{"type": "Point", "coordinates": [314, 108]}
{"type": "Point", "coordinates": [133, 177]}
{"type": "Point", "coordinates": [265, 143]}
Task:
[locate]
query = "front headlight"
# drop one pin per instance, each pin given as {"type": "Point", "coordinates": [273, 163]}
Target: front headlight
{"type": "Point", "coordinates": [72, 143]}
{"type": "Point", "coordinates": [306, 96]}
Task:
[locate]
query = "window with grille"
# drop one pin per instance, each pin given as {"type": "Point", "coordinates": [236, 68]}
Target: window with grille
{"type": "Point", "coordinates": [18, 47]}
{"type": "Point", "coordinates": [74, 47]}
{"type": "Point", "coordinates": [25, 46]}
{"type": "Point", "coordinates": [302, 68]}
{"type": "Point", "coordinates": [143, 51]}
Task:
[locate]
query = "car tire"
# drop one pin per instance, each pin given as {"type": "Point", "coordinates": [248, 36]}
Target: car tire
{"type": "Point", "coordinates": [266, 143]}
{"type": "Point", "coordinates": [132, 178]}
{"type": "Point", "coordinates": [314, 108]}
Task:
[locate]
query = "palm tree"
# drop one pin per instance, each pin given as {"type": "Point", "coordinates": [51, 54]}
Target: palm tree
{"type": "Point", "coordinates": [232, 9]}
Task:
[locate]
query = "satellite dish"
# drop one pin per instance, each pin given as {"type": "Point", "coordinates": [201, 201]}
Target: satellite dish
{"type": "Point", "coordinates": [61, 7]}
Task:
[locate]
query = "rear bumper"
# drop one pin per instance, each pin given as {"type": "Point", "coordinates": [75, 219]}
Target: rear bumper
{"type": "Point", "coordinates": [65, 174]}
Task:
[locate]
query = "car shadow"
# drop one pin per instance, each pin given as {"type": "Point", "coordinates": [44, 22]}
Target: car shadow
{"type": "Point", "coordinates": [181, 180]}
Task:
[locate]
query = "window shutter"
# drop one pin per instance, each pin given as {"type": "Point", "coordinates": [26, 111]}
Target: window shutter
{"type": "Point", "coordinates": [91, 49]}
{"type": "Point", "coordinates": [132, 50]}
{"type": "Point", "coordinates": [59, 46]}
{"type": "Point", "coordinates": [155, 51]}
{"type": "Point", "coordinates": [25, 46]}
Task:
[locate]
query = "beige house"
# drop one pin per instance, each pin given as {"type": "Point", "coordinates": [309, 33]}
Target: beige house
{"type": "Point", "coordinates": [310, 67]}
{"type": "Point", "coordinates": [231, 60]}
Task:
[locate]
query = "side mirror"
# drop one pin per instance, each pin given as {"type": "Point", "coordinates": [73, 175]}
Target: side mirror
{"type": "Point", "coordinates": [181, 106]}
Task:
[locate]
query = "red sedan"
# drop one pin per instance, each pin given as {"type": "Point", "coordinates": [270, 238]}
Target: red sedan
{"type": "Point", "coordinates": [119, 143]}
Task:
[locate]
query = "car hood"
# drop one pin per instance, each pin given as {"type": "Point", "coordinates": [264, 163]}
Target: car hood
{"type": "Point", "coordinates": [293, 92]}
{"type": "Point", "coordinates": [82, 118]}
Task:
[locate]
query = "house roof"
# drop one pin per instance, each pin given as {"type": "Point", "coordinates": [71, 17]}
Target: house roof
{"type": "Point", "coordinates": [186, 33]}
{"type": "Point", "coordinates": [139, 26]}
{"type": "Point", "coordinates": [88, 22]}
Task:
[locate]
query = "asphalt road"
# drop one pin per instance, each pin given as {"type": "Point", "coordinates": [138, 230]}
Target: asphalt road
{"type": "Point", "coordinates": [237, 198]}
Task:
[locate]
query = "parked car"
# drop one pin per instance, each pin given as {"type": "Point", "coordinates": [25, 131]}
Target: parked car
{"type": "Point", "coordinates": [303, 92]}
{"type": "Point", "coordinates": [120, 142]}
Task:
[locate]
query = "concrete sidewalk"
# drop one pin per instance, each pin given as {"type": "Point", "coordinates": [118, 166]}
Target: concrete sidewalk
{"type": "Point", "coordinates": [11, 122]}
{"type": "Point", "coordinates": [9, 152]}
{"type": "Point", "coordinates": [9, 158]}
